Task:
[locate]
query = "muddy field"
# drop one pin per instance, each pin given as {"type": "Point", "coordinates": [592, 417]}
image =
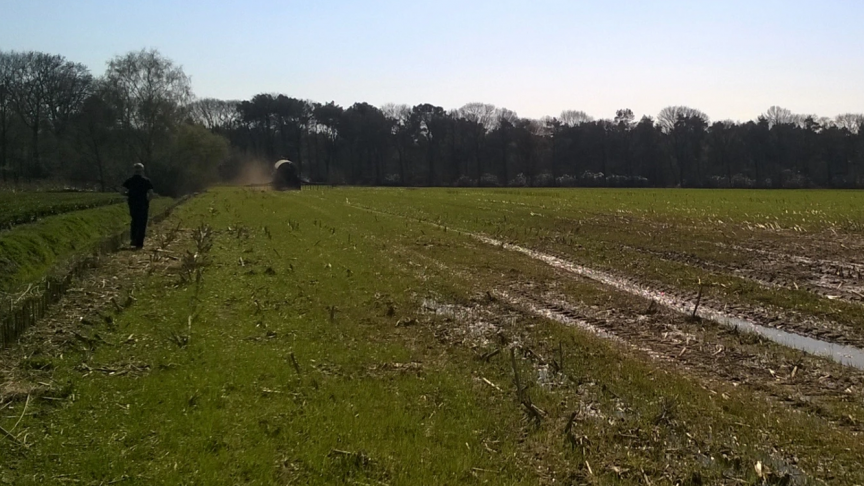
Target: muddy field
{"type": "Point", "coordinates": [659, 323]}
{"type": "Point", "coordinates": [806, 281]}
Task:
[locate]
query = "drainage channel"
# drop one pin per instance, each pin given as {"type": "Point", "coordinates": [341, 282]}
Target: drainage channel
{"type": "Point", "coordinates": [845, 355]}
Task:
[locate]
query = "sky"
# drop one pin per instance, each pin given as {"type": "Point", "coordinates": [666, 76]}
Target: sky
{"type": "Point", "coordinates": [728, 58]}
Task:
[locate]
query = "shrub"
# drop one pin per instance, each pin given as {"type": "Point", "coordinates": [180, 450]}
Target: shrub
{"type": "Point", "coordinates": [489, 180]}
{"type": "Point", "coordinates": [464, 181]}
{"type": "Point", "coordinates": [592, 179]}
{"type": "Point", "coordinates": [518, 181]}
{"type": "Point", "coordinates": [566, 180]}
{"type": "Point", "coordinates": [543, 179]}
{"type": "Point", "coordinates": [716, 181]}
{"type": "Point", "coordinates": [793, 180]}
{"type": "Point", "coordinates": [742, 182]}
{"type": "Point", "coordinates": [392, 180]}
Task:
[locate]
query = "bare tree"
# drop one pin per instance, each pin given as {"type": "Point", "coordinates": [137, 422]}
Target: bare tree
{"type": "Point", "coordinates": [503, 114]}
{"type": "Point", "coordinates": [29, 79]}
{"type": "Point", "coordinates": [5, 110]}
{"type": "Point", "coordinates": [66, 91]}
{"type": "Point", "coordinates": [571, 118]}
{"type": "Point", "coordinates": [669, 116]}
{"type": "Point", "coordinates": [849, 121]}
{"type": "Point", "coordinates": [150, 94]}
{"type": "Point", "coordinates": [45, 91]}
{"type": "Point", "coordinates": [685, 128]}
{"type": "Point", "coordinates": [401, 131]}
{"type": "Point", "coordinates": [481, 113]}
{"type": "Point", "coordinates": [781, 116]}
{"type": "Point", "coordinates": [215, 114]}
{"type": "Point", "coordinates": [93, 133]}
{"type": "Point", "coordinates": [482, 119]}
{"type": "Point", "coordinates": [624, 117]}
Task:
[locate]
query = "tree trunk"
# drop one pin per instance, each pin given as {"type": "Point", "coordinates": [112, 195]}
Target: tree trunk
{"type": "Point", "coordinates": [477, 160]}
{"type": "Point", "coordinates": [3, 146]}
{"type": "Point", "coordinates": [3, 131]}
{"type": "Point", "coordinates": [401, 165]}
{"type": "Point", "coordinates": [504, 171]}
{"type": "Point", "coordinates": [299, 137]}
{"type": "Point", "coordinates": [100, 166]}
{"type": "Point", "coordinates": [431, 165]}
{"type": "Point", "coordinates": [378, 167]}
{"type": "Point", "coordinates": [331, 148]}
{"type": "Point", "coordinates": [728, 158]}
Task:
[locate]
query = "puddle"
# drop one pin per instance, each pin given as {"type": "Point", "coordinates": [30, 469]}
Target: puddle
{"type": "Point", "coordinates": [846, 355]}
{"type": "Point", "coordinates": [475, 326]}
{"type": "Point", "coordinates": [555, 316]}
{"type": "Point", "coordinates": [569, 321]}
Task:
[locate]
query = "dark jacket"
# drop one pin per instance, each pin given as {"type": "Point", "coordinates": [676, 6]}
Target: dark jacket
{"type": "Point", "coordinates": [138, 187]}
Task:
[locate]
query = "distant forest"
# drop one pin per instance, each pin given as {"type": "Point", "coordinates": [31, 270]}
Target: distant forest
{"type": "Point", "coordinates": [58, 122]}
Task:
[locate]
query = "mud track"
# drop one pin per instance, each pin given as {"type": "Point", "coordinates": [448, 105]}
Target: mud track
{"type": "Point", "coordinates": [825, 278]}
{"type": "Point", "coordinates": [778, 318]}
{"type": "Point", "coordinates": [783, 320]}
{"type": "Point", "coordinates": [711, 353]}
{"type": "Point", "coordinates": [825, 263]}
{"type": "Point", "coordinates": [752, 317]}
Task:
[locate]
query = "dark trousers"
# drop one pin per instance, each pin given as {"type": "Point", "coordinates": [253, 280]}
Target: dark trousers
{"type": "Point", "coordinates": [138, 212]}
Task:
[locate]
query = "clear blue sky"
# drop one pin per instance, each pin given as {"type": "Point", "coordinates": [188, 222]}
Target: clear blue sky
{"type": "Point", "coordinates": [731, 59]}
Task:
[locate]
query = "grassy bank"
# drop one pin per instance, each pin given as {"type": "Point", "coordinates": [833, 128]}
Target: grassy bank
{"type": "Point", "coordinates": [28, 251]}
{"type": "Point", "coordinates": [26, 207]}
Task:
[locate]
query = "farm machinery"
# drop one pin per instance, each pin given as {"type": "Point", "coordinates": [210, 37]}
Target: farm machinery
{"type": "Point", "coordinates": [286, 177]}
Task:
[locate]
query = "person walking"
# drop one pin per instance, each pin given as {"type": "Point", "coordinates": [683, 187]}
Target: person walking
{"type": "Point", "coordinates": [139, 191]}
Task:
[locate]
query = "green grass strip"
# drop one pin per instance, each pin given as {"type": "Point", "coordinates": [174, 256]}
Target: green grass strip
{"type": "Point", "coordinates": [26, 207]}
{"type": "Point", "coordinates": [28, 252]}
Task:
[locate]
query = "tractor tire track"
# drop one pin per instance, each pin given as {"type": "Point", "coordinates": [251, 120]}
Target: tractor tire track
{"type": "Point", "coordinates": [825, 278]}
{"type": "Point", "coordinates": [839, 341]}
{"type": "Point", "coordinates": [712, 353]}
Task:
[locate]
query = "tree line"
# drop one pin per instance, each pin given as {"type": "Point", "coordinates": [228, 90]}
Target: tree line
{"type": "Point", "coordinates": [483, 145]}
{"type": "Point", "coordinates": [57, 120]}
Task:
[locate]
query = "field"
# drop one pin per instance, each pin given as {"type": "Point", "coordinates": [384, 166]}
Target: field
{"type": "Point", "coordinates": [435, 336]}
{"type": "Point", "coordinates": [25, 207]}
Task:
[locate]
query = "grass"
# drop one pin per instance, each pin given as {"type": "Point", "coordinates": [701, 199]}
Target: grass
{"type": "Point", "coordinates": [26, 207]}
{"type": "Point", "coordinates": [228, 406]}
{"type": "Point", "coordinates": [303, 356]}
{"type": "Point", "coordinates": [27, 252]}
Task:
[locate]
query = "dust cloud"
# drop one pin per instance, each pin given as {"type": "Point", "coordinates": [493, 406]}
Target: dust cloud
{"type": "Point", "coordinates": [254, 172]}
